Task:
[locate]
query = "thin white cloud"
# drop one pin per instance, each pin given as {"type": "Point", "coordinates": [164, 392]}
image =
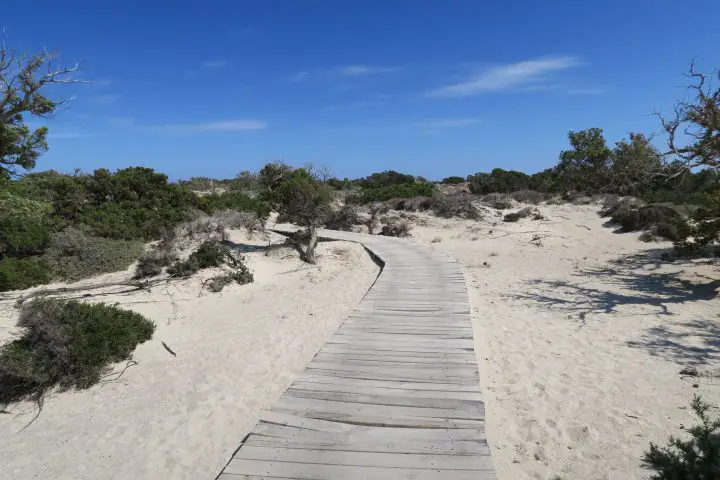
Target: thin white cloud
{"type": "Point", "coordinates": [507, 77]}
{"type": "Point", "coordinates": [359, 70]}
{"type": "Point", "coordinates": [221, 126]}
{"type": "Point", "coordinates": [587, 91]}
{"type": "Point", "coordinates": [71, 133]}
{"type": "Point", "coordinates": [215, 64]}
{"type": "Point", "coordinates": [105, 100]}
{"type": "Point", "coordinates": [300, 77]}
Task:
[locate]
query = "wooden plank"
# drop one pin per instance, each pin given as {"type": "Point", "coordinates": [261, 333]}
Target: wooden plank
{"type": "Point", "coordinates": [369, 459]}
{"type": "Point", "coordinates": [346, 472]}
{"type": "Point", "coordinates": [334, 387]}
{"type": "Point", "coordinates": [393, 394]}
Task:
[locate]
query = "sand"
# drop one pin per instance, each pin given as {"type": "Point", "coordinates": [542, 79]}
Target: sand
{"type": "Point", "coordinates": [580, 335]}
{"type": "Point", "coordinates": [581, 339]}
{"type": "Point", "coordinates": [182, 417]}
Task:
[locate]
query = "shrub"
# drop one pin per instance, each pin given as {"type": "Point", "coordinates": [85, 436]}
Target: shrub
{"type": "Point", "coordinates": [152, 262]}
{"type": "Point", "coordinates": [73, 255]}
{"type": "Point", "coordinates": [24, 225]}
{"type": "Point", "coordinates": [406, 190]}
{"type": "Point", "coordinates": [414, 204]}
{"type": "Point", "coordinates": [234, 200]}
{"type": "Point", "coordinates": [645, 217]}
{"type": "Point", "coordinates": [208, 254]}
{"type": "Point", "coordinates": [498, 181]}
{"type": "Point", "coordinates": [498, 201]}
{"type": "Point", "coordinates": [528, 196]}
{"type": "Point", "coordinates": [396, 229]}
{"type": "Point", "coordinates": [213, 227]}
{"type": "Point", "coordinates": [18, 274]}
{"type": "Point", "coordinates": [67, 344]}
{"type": "Point", "coordinates": [697, 458]}
{"type": "Point", "coordinates": [241, 276]}
{"type": "Point", "coordinates": [524, 213]}
{"type": "Point", "coordinates": [343, 219]}
{"type": "Point", "coordinates": [454, 180]}
{"type": "Point", "coordinates": [620, 205]}
{"type": "Point", "coordinates": [456, 205]}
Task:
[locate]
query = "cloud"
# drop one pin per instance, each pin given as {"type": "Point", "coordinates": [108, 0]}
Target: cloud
{"type": "Point", "coordinates": [215, 64]}
{"type": "Point", "coordinates": [300, 77]}
{"type": "Point", "coordinates": [358, 70]}
{"type": "Point", "coordinates": [221, 126]}
{"type": "Point", "coordinates": [586, 91]}
{"type": "Point", "coordinates": [507, 77]}
{"type": "Point", "coordinates": [105, 100]}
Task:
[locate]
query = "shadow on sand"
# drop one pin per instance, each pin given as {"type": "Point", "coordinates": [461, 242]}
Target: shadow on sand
{"type": "Point", "coordinates": [637, 280]}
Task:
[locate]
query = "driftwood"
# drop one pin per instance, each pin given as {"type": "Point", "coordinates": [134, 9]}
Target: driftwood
{"type": "Point", "coordinates": [133, 285]}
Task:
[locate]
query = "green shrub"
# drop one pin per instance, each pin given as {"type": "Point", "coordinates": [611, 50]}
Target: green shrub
{"type": "Point", "coordinates": [67, 344]}
{"type": "Point", "coordinates": [645, 217]}
{"type": "Point", "coordinates": [498, 181]}
{"type": "Point", "coordinates": [208, 254]}
{"type": "Point", "coordinates": [697, 458]}
{"type": "Point", "coordinates": [406, 190]}
{"type": "Point", "coordinates": [241, 276]}
{"type": "Point", "coordinates": [24, 225]}
{"type": "Point", "coordinates": [21, 273]}
{"type": "Point", "coordinates": [152, 262]}
{"type": "Point", "coordinates": [234, 200]}
{"type": "Point", "coordinates": [414, 204]}
{"type": "Point", "coordinates": [454, 180]}
{"type": "Point", "coordinates": [73, 255]}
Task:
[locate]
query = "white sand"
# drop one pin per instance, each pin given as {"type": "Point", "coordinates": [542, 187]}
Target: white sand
{"type": "Point", "coordinates": [182, 417]}
{"type": "Point", "coordinates": [579, 355]}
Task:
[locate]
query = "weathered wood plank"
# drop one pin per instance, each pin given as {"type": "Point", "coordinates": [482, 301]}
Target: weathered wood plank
{"type": "Point", "coordinates": [393, 394]}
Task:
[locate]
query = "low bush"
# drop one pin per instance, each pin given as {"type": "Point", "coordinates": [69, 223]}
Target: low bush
{"type": "Point", "coordinates": [396, 228]}
{"type": "Point", "coordinates": [73, 255]}
{"type": "Point", "coordinates": [405, 190]}
{"type": "Point", "coordinates": [343, 219]}
{"type": "Point", "coordinates": [152, 262]}
{"type": "Point", "coordinates": [528, 196]}
{"type": "Point", "coordinates": [523, 213]}
{"type": "Point", "coordinates": [456, 205]}
{"type": "Point", "coordinates": [620, 205]}
{"type": "Point", "coordinates": [498, 201]}
{"type": "Point", "coordinates": [697, 458]}
{"type": "Point", "coordinates": [21, 273]}
{"type": "Point", "coordinates": [414, 204]}
{"type": "Point", "coordinates": [208, 254]}
{"type": "Point", "coordinates": [233, 200]}
{"type": "Point", "coordinates": [67, 344]}
{"type": "Point", "coordinates": [241, 276]}
{"type": "Point", "coordinates": [645, 217]}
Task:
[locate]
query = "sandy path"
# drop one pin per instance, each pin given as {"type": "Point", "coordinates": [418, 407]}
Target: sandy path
{"type": "Point", "coordinates": [182, 417]}
{"type": "Point", "coordinates": [583, 339]}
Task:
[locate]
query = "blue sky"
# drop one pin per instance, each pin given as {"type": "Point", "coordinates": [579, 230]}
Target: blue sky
{"type": "Point", "coordinates": [434, 88]}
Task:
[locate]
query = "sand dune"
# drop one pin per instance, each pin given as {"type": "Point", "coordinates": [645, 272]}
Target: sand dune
{"type": "Point", "coordinates": [581, 340]}
{"type": "Point", "coordinates": [182, 417]}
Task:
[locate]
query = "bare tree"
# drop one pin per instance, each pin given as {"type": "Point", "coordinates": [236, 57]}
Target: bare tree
{"type": "Point", "coordinates": [698, 120]}
{"type": "Point", "coordinates": [23, 81]}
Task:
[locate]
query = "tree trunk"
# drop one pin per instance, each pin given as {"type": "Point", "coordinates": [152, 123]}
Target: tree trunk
{"type": "Point", "coordinates": [312, 243]}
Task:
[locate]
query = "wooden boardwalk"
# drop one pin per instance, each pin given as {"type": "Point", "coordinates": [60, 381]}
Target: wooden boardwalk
{"type": "Point", "coordinates": [395, 392]}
